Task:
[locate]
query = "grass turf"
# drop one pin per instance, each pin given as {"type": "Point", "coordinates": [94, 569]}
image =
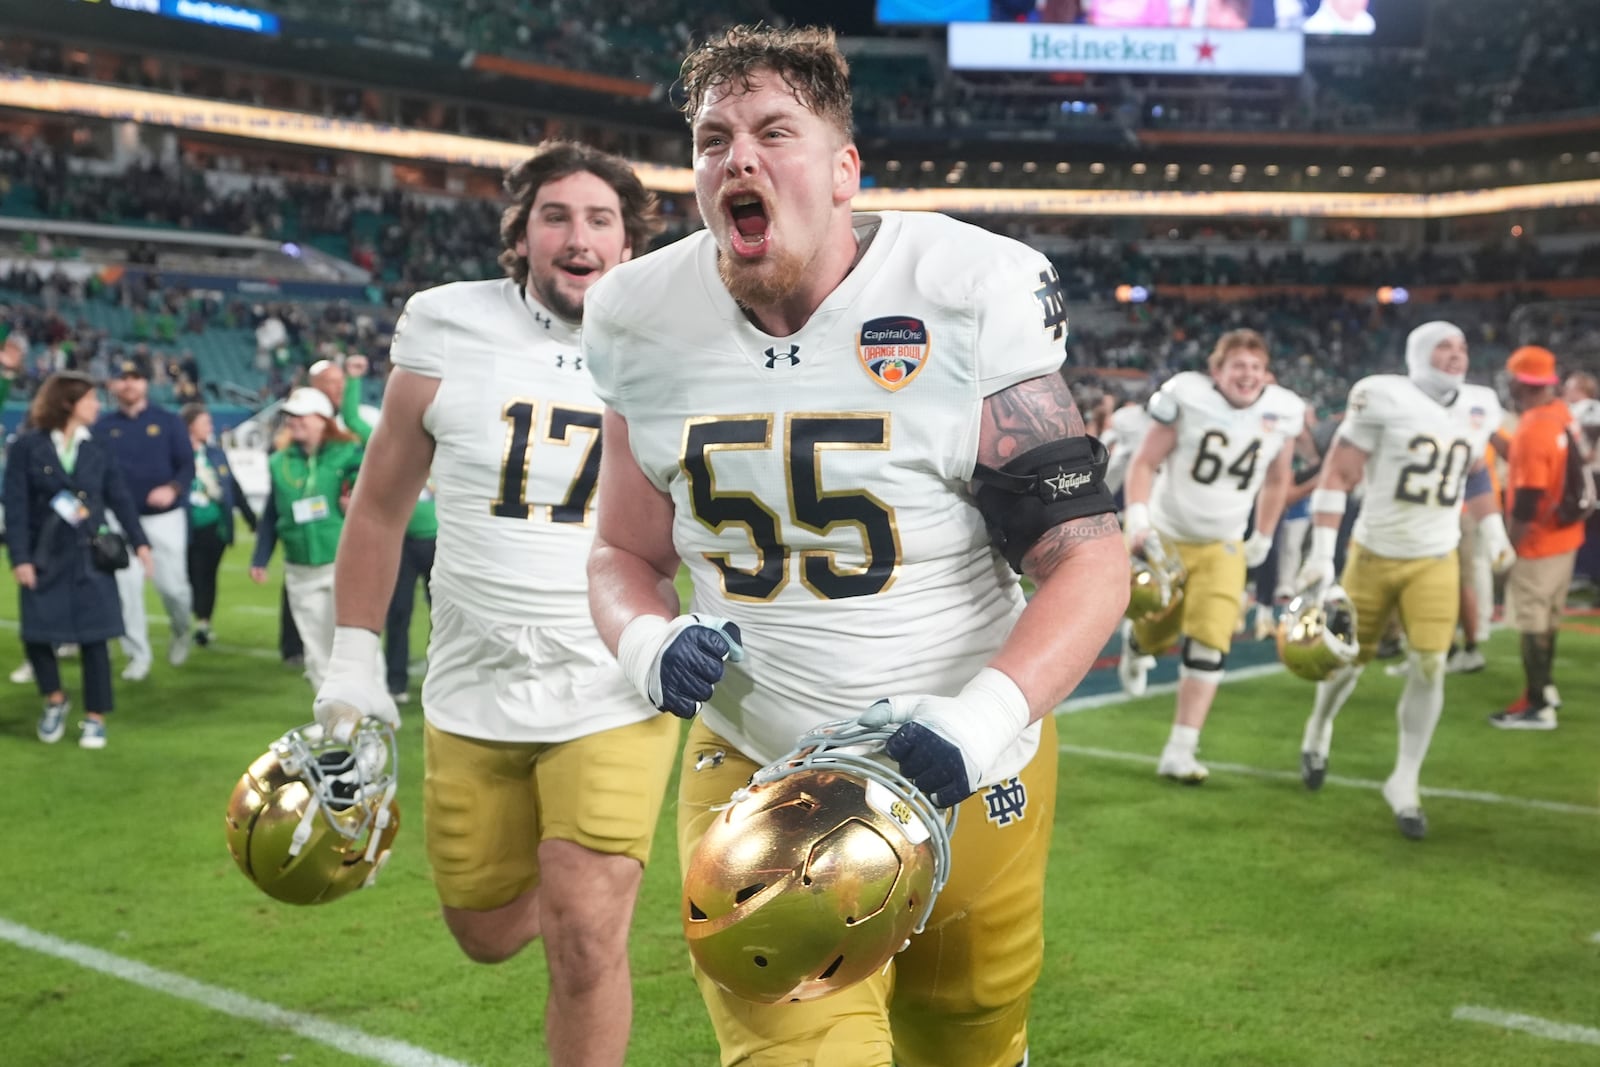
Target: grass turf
{"type": "Point", "coordinates": [1241, 923]}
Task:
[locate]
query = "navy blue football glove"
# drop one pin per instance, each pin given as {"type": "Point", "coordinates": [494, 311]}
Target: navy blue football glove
{"type": "Point", "coordinates": [677, 663]}
{"type": "Point", "coordinates": [950, 746]}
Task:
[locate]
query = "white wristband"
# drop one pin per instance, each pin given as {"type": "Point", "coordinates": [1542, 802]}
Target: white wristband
{"type": "Point", "coordinates": [993, 692]}
{"type": "Point", "coordinates": [1324, 540]}
{"type": "Point", "coordinates": [1137, 519]}
{"type": "Point", "coordinates": [1333, 501]}
{"type": "Point", "coordinates": [637, 646]}
{"type": "Point", "coordinates": [355, 650]}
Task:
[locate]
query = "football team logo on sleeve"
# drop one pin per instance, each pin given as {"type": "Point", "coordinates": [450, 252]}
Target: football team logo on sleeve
{"type": "Point", "coordinates": [893, 349]}
{"type": "Point", "coordinates": [1052, 303]}
{"type": "Point", "coordinates": [1269, 422]}
{"type": "Point", "coordinates": [1476, 415]}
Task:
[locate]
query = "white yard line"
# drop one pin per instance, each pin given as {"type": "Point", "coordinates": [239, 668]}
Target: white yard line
{"type": "Point", "coordinates": [1528, 1024]}
{"type": "Point", "coordinates": [346, 1039]}
{"type": "Point", "coordinates": [1338, 779]}
{"type": "Point", "coordinates": [1102, 700]}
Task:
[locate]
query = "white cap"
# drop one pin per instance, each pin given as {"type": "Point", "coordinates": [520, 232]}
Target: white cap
{"type": "Point", "coordinates": [308, 401]}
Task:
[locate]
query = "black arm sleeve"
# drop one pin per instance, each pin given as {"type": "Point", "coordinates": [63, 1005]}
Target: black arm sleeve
{"type": "Point", "coordinates": [1041, 489]}
{"type": "Point", "coordinates": [1525, 504]}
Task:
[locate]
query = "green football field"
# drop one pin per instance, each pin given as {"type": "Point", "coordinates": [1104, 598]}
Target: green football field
{"type": "Point", "coordinates": [1244, 922]}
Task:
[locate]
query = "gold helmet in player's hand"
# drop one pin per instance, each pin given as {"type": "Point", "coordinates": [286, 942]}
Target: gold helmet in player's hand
{"type": "Point", "coordinates": [1158, 577]}
{"type": "Point", "coordinates": [313, 819]}
{"type": "Point", "coordinates": [1317, 634]}
{"type": "Point", "coordinates": [817, 872]}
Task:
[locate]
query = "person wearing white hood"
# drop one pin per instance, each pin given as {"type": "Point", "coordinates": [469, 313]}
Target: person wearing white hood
{"type": "Point", "coordinates": [1419, 441]}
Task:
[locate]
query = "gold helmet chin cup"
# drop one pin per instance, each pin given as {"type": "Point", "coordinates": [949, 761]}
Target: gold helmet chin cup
{"type": "Point", "coordinates": [817, 872]}
{"type": "Point", "coordinates": [312, 819]}
{"type": "Point", "coordinates": [1157, 581]}
{"type": "Point", "coordinates": [1317, 634]}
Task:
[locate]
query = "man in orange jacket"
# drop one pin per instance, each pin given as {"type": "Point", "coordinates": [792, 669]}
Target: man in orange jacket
{"type": "Point", "coordinates": [1536, 589]}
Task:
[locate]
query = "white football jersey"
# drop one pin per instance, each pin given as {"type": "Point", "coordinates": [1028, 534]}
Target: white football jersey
{"type": "Point", "coordinates": [1122, 439]}
{"type": "Point", "coordinates": [1419, 453]}
{"type": "Point", "coordinates": [516, 427]}
{"type": "Point", "coordinates": [819, 481]}
{"type": "Point", "coordinates": [1208, 483]}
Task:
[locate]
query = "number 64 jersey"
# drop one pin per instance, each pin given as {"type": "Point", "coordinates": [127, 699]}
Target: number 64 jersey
{"type": "Point", "coordinates": [1419, 453]}
{"type": "Point", "coordinates": [819, 481]}
{"type": "Point", "coordinates": [1209, 482]}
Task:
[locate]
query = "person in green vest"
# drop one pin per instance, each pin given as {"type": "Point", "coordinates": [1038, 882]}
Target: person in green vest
{"type": "Point", "coordinates": [416, 553]}
{"type": "Point", "coordinates": [311, 472]}
{"type": "Point", "coordinates": [213, 496]}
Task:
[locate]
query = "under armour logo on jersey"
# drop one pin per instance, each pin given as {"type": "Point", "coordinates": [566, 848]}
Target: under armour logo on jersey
{"type": "Point", "coordinates": [1007, 801]}
{"type": "Point", "coordinates": [543, 320]}
{"type": "Point", "coordinates": [1053, 303]}
{"type": "Point", "coordinates": [575, 362]}
{"type": "Point", "coordinates": [790, 358]}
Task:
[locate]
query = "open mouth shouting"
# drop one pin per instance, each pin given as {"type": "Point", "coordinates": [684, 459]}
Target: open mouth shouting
{"type": "Point", "coordinates": [578, 271]}
{"type": "Point", "coordinates": [749, 229]}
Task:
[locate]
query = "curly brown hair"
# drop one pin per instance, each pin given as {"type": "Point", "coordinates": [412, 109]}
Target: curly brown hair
{"type": "Point", "coordinates": [807, 58]}
{"type": "Point", "coordinates": [554, 160]}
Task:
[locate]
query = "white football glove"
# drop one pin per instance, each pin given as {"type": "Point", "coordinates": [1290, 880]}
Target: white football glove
{"type": "Point", "coordinates": [1316, 573]}
{"type": "Point", "coordinates": [1496, 544]}
{"type": "Point", "coordinates": [353, 688]}
{"type": "Point", "coordinates": [676, 663]}
{"type": "Point", "coordinates": [950, 746]}
{"type": "Point", "coordinates": [1256, 550]}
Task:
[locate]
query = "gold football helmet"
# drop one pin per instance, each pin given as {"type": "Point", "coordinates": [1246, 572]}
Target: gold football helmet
{"type": "Point", "coordinates": [1317, 634]}
{"type": "Point", "coordinates": [313, 819]}
{"type": "Point", "coordinates": [817, 872]}
{"type": "Point", "coordinates": [1158, 577]}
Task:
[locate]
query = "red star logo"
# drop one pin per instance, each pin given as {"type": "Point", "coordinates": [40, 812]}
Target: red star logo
{"type": "Point", "coordinates": [1207, 52]}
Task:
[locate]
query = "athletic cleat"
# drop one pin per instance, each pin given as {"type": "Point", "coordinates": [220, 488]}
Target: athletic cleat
{"type": "Point", "coordinates": [53, 723]}
{"type": "Point", "coordinates": [1412, 823]}
{"type": "Point", "coordinates": [136, 672]}
{"type": "Point", "coordinates": [202, 636]}
{"type": "Point", "coordinates": [1133, 667]}
{"type": "Point", "coordinates": [1523, 715]}
{"type": "Point", "coordinates": [1313, 770]}
{"type": "Point", "coordinates": [178, 651]}
{"type": "Point", "coordinates": [1181, 766]}
{"type": "Point", "coordinates": [1408, 816]}
{"type": "Point", "coordinates": [1465, 661]}
{"type": "Point", "coordinates": [23, 674]}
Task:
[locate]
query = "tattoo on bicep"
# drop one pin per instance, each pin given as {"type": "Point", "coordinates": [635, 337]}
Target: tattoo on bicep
{"type": "Point", "coordinates": [1057, 544]}
{"type": "Point", "coordinates": [1025, 416]}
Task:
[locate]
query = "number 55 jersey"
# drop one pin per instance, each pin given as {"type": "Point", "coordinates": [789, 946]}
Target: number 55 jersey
{"type": "Point", "coordinates": [1419, 453]}
{"type": "Point", "coordinates": [819, 480]}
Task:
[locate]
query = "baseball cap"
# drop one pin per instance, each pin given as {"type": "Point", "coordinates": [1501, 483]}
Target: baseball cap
{"type": "Point", "coordinates": [308, 401]}
{"type": "Point", "coordinates": [1532, 365]}
{"type": "Point", "coordinates": [132, 368]}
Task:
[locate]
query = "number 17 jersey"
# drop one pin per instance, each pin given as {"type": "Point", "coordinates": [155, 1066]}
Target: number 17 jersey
{"type": "Point", "coordinates": [1418, 454]}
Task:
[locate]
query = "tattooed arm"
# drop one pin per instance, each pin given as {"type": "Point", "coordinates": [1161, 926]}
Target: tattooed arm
{"type": "Point", "coordinates": [1080, 567]}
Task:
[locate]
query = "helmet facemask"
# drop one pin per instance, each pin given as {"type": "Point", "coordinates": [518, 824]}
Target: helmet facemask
{"type": "Point", "coordinates": [314, 819]}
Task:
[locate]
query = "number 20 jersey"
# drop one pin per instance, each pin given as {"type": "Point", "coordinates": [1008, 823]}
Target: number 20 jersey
{"type": "Point", "coordinates": [1217, 466]}
{"type": "Point", "coordinates": [1419, 453]}
{"type": "Point", "coordinates": [516, 426]}
{"type": "Point", "coordinates": [819, 480]}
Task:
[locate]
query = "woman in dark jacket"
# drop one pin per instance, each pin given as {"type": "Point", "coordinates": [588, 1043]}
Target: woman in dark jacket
{"type": "Point", "coordinates": [212, 499]}
{"type": "Point", "coordinates": [59, 483]}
